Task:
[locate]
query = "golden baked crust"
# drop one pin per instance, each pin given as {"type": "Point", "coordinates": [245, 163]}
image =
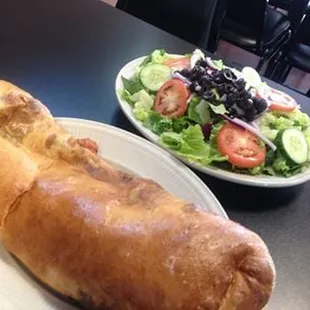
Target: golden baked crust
{"type": "Point", "coordinates": [111, 240]}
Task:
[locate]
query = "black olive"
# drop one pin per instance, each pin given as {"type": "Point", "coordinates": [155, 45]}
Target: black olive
{"type": "Point", "coordinates": [250, 103]}
{"type": "Point", "coordinates": [229, 103]}
{"type": "Point", "coordinates": [240, 84]}
{"type": "Point", "coordinates": [205, 81]}
{"type": "Point", "coordinates": [209, 95]}
{"type": "Point", "coordinates": [242, 104]}
{"type": "Point", "coordinates": [193, 86]}
{"type": "Point", "coordinates": [250, 114]}
{"type": "Point", "coordinates": [198, 62]}
{"type": "Point", "coordinates": [224, 98]}
{"type": "Point", "coordinates": [198, 72]}
{"type": "Point", "coordinates": [233, 112]}
{"type": "Point", "coordinates": [260, 104]}
{"type": "Point", "coordinates": [221, 88]}
{"type": "Point", "coordinates": [186, 73]}
{"type": "Point", "coordinates": [229, 89]}
{"type": "Point", "coordinates": [229, 75]}
{"type": "Point", "coordinates": [202, 63]}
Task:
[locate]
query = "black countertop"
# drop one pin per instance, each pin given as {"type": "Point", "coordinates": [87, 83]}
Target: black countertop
{"type": "Point", "coordinates": [68, 52]}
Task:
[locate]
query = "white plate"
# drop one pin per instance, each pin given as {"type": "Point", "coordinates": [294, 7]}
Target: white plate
{"type": "Point", "coordinates": [261, 181]}
{"type": "Point", "coordinates": [18, 291]}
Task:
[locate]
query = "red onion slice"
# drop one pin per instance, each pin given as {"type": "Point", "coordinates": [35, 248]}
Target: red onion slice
{"type": "Point", "coordinates": [252, 129]}
{"type": "Point", "coordinates": [180, 77]}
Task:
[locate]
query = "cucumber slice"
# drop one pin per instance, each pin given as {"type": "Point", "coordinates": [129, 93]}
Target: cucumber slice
{"type": "Point", "coordinates": [252, 78]}
{"type": "Point", "coordinates": [292, 143]}
{"type": "Point", "coordinates": [154, 76]}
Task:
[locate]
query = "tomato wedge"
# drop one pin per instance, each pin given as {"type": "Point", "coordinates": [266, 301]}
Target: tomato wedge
{"type": "Point", "coordinates": [243, 149]}
{"type": "Point", "coordinates": [278, 100]}
{"type": "Point", "coordinates": [171, 99]}
{"type": "Point", "coordinates": [178, 63]}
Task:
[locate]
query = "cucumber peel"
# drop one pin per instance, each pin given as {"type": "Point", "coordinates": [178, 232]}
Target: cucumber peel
{"type": "Point", "coordinates": [293, 145]}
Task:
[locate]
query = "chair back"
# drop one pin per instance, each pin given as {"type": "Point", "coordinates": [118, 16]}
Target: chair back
{"type": "Point", "coordinates": [219, 16]}
{"type": "Point", "coordinates": [187, 19]}
{"type": "Point", "coordinates": [296, 12]}
{"type": "Point", "coordinates": [303, 33]}
{"type": "Point", "coordinates": [250, 14]}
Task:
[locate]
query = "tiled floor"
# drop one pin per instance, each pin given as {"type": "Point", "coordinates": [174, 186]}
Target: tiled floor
{"type": "Point", "coordinates": [297, 79]}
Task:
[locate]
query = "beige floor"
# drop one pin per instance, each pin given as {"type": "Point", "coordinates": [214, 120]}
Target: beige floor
{"type": "Point", "coordinates": [111, 2]}
{"type": "Point", "coordinates": [297, 79]}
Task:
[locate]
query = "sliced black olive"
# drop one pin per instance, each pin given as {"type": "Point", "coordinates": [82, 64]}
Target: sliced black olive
{"type": "Point", "coordinates": [260, 104]}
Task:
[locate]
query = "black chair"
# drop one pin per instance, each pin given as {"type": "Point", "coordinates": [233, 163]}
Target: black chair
{"type": "Point", "coordinates": [219, 16]}
{"type": "Point", "coordinates": [256, 27]}
{"type": "Point", "coordinates": [191, 21]}
{"type": "Point", "coordinates": [281, 4]}
{"type": "Point", "coordinates": [296, 11]}
{"type": "Point", "coordinates": [298, 53]}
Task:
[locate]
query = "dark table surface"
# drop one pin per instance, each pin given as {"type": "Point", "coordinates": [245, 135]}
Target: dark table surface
{"type": "Point", "coordinates": [68, 52]}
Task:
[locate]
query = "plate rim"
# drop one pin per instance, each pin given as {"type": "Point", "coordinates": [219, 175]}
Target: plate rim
{"type": "Point", "coordinates": [143, 142]}
{"type": "Point", "coordinates": [248, 180]}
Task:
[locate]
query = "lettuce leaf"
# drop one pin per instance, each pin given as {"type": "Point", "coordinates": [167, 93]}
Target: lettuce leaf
{"type": "Point", "coordinates": [190, 144]}
{"type": "Point", "coordinates": [132, 85]}
{"type": "Point", "coordinates": [157, 123]}
{"type": "Point", "coordinates": [191, 112]}
{"type": "Point", "coordinates": [272, 122]}
{"type": "Point", "coordinates": [283, 167]}
{"type": "Point", "coordinates": [199, 110]}
{"type": "Point", "coordinates": [142, 99]}
{"type": "Point", "coordinates": [299, 118]}
{"type": "Point", "coordinates": [125, 95]}
{"type": "Point", "coordinates": [203, 111]}
{"type": "Point", "coordinates": [307, 136]}
{"type": "Point", "coordinates": [179, 124]}
{"type": "Point", "coordinates": [142, 105]}
{"type": "Point", "coordinates": [219, 64]}
{"type": "Point", "coordinates": [142, 115]}
{"type": "Point", "coordinates": [157, 56]}
{"type": "Point", "coordinates": [218, 109]}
